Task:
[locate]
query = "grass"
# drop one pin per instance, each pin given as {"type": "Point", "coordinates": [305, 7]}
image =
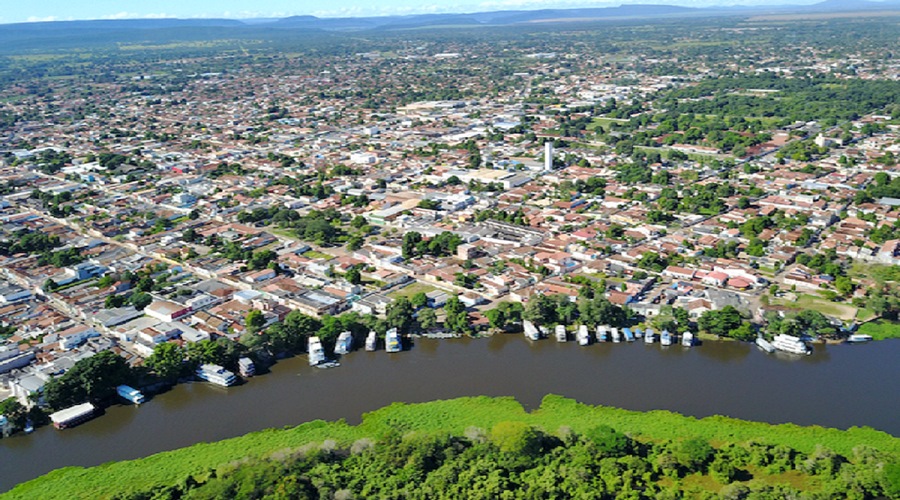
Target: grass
{"type": "Point", "coordinates": [826, 307]}
{"type": "Point", "coordinates": [313, 254]}
{"type": "Point", "coordinates": [447, 416]}
{"type": "Point", "coordinates": [881, 329]}
{"type": "Point", "coordinates": [411, 289]}
{"type": "Point", "coordinates": [864, 314]}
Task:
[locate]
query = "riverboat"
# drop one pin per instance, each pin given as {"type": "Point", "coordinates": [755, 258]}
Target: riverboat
{"type": "Point", "coordinates": [316, 351]}
{"type": "Point", "coordinates": [687, 340]}
{"type": "Point", "coordinates": [858, 338]}
{"type": "Point", "coordinates": [629, 336]}
{"type": "Point", "coordinates": [72, 416]}
{"type": "Point", "coordinates": [130, 394]}
{"type": "Point", "coordinates": [344, 343]}
{"type": "Point", "coordinates": [246, 367]}
{"type": "Point", "coordinates": [602, 334]}
{"type": "Point", "coordinates": [583, 336]}
{"type": "Point", "coordinates": [392, 341]}
{"type": "Point", "coordinates": [372, 341]}
{"type": "Point", "coordinates": [616, 336]}
{"type": "Point", "coordinates": [560, 333]}
{"type": "Point", "coordinates": [216, 374]}
{"type": "Point", "coordinates": [649, 336]}
{"type": "Point", "coordinates": [790, 344]}
{"type": "Point", "coordinates": [665, 338]}
{"type": "Point", "coordinates": [531, 331]}
{"type": "Point", "coordinates": [764, 344]}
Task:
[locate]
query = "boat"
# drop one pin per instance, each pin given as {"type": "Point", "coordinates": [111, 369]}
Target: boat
{"type": "Point", "coordinates": [130, 394]}
{"type": "Point", "coordinates": [392, 341]}
{"type": "Point", "coordinates": [583, 336]}
{"type": "Point", "coordinates": [560, 333]}
{"type": "Point", "coordinates": [790, 344]}
{"type": "Point", "coordinates": [629, 336]}
{"type": "Point", "coordinates": [687, 340]}
{"type": "Point", "coordinates": [616, 336]}
{"type": "Point", "coordinates": [72, 416]}
{"type": "Point", "coordinates": [602, 334]}
{"type": "Point", "coordinates": [372, 341]}
{"type": "Point", "coordinates": [316, 351]}
{"type": "Point", "coordinates": [215, 374]}
{"type": "Point", "coordinates": [859, 337]}
{"type": "Point", "coordinates": [29, 427]}
{"type": "Point", "coordinates": [344, 343]}
{"type": "Point", "coordinates": [649, 336]}
{"type": "Point", "coordinates": [665, 338]}
{"type": "Point", "coordinates": [531, 331]}
{"type": "Point", "coordinates": [764, 344]}
{"type": "Point", "coordinates": [638, 333]}
{"type": "Point", "coordinates": [246, 367]}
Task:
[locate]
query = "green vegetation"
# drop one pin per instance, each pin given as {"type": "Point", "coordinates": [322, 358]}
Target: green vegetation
{"type": "Point", "coordinates": [491, 448]}
{"type": "Point", "coordinates": [881, 329]}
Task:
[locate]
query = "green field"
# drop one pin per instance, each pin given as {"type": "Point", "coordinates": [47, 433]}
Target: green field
{"type": "Point", "coordinates": [411, 289]}
{"type": "Point", "coordinates": [881, 329]}
{"type": "Point", "coordinates": [446, 417]}
{"type": "Point", "coordinates": [843, 311]}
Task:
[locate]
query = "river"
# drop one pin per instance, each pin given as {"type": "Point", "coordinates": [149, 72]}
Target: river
{"type": "Point", "coordinates": [837, 386]}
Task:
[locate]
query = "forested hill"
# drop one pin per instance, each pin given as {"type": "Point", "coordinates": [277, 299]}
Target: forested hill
{"type": "Point", "coordinates": [491, 448]}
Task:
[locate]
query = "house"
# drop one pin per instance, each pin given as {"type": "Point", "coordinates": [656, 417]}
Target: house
{"type": "Point", "coordinates": [261, 275]}
{"type": "Point", "coordinates": [165, 310]}
{"type": "Point", "coordinates": [715, 278]}
{"type": "Point", "coordinates": [75, 336]}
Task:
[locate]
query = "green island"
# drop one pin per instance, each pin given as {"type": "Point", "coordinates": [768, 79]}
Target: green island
{"type": "Point", "coordinates": [493, 448]}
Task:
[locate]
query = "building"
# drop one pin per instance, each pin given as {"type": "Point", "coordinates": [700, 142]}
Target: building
{"type": "Point", "coordinates": [165, 310]}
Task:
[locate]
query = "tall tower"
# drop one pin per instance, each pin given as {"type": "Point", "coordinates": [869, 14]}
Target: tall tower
{"type": "Point", "coordinates": [548, 156]}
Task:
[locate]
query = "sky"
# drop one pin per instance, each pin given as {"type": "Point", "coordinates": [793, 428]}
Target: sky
{"type": "Point", "coordinates": [13, 11]}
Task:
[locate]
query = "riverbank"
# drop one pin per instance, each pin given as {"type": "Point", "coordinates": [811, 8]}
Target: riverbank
{"type": "Point", "coordinates": [450, 416]}
{"type": "Point", "coordinates": [880, 329]}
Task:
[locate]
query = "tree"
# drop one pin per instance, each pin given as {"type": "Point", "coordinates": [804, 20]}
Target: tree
{"type": "Point", "coordinates": [254, 321]}
{"type": "Point", "coordinates": [517, 438]}
{"type": "Point", "coordinates": [410, 243]}
{"type": "Point", "coordinates": [90, 379]}
{"type": "Point", "coordinates": [353, 275]}
{"type": "Point", "coordinates": [721, 322]}
{"type": "Point", "coordinates": [427, 318]}
{"type": "Point", "coordinates": [140, 300]}
{"type": "Point", "coordinates": [456, 316]}
{"type": "Point", "coordinates": [843, 285]}
{"type": "Point", "coordinates": [167, 361]}
{"type": "Point", "coordinates": [400, 315]}
{"type": "Point", "coordinates": [14, 411]}
{"type": "Point", "coordinates": [419, 300]}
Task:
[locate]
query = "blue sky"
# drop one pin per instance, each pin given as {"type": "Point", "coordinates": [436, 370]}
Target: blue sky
{"type": "Point", "coordinates": [60, 10]}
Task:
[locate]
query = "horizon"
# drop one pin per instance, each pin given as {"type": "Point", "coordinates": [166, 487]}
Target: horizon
{"type": "Point", "coordinates": [111, 10]}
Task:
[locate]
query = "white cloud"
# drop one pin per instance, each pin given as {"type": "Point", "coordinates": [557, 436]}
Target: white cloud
{"type": "Point", "coordinates": [134, 15]}
{"type": "Point", "coordinates": [36, 19]}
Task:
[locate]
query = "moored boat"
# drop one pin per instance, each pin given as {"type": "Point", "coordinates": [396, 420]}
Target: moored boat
{"type": "Point", "coordinates": [316, 351]}
{"type": "Point", "coordinates": [72, 416]}
{"type": "Point", "coordinates": [246, 367]}
{"type": "Point", "coordinates": [372, 341]}
{"type": "Point", "coordinates": [790, 344]}
{"type": "Point", "coordinates": [687, 340]}
{"type": "Point", "coordinates": [130, 394]}
{"type": "Point", "coordinates": [629, 335]}
{"type": "Point", "coordinates": [764, 344]}
{"type": "Point", "coordinates": [859, 337]}
{"type": "Point", "coordinates": [560, 333]}
{"type": "Point", "coordinates": [602, 334]}
{"type": "Point", "coordinates": [344, 343]}
{"type": "Point", "coordinates": [665, 338]}
{"type": "Point", "coordinates": [215, 374]}
{"type": "Point", "coordinates": [649, 336]}
{"type": "Point", "coordinates": [531, 331]}
{"type": "Point", "coordinates": [392, 341]}
{"type": "Point", "coordinates": [583, 336]}
{"type": "Point", "coordinates": [616, 336]}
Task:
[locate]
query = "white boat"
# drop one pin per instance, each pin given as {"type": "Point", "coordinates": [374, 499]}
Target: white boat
{"type": "Point", "coordinates": [616, 336]}
{"type": "Point", "coordinates": [665, 338]}
{"type": "Point", "coordinates": [344, 343]}
{"type": "Point", "coordinates": [215, 374]}
{"type": "Point", "coordinates": [560, 333]}
{"type": "Point", "coordinates": [859, 337]}
{"type": "Point", "coordinates": [29, 427]}
{"type": "Point", "coordinates": [638, 333]}
{"type": "Point", "coordinates": [316, 351]}
{"type": "Point", "coordinates": [649, 336]}
{"type": "Point", "coordinates": [764, 344]}
{"type": "Point", "coordinates": [531, 331]}
{"type": "Point", "coordinates": [130, 394]}
{"type": "Point", "coordinates": [602, 334]}
{"type": "Point", "coordinates": [372, 341]}
{"type": "Point", "coordinates": [72, 416]}
{"type": "Point", "coordinates": [788, 343]}
{"type": "Point", "coordinates": [392, 341]}
{"type": "Point", "coordinates": [246, 367]}
{"type": "Point", "coordinates": [583, 336]}
{"type": "Point", "coordinates": [687, 340]}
